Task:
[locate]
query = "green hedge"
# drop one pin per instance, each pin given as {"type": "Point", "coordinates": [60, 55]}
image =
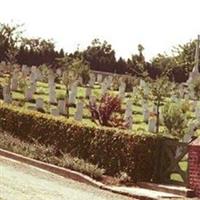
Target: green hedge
{"type": "Point", "coordinates": [112, 149]}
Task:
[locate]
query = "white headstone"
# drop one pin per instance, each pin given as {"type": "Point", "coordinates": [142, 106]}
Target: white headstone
{"type": "Point", "coordinates": [122, 88]}
{"type": "Point", "coordinates": [73, 93]}
{"type": "Point", "coordinates": [128, 114]}
{"type": "Point", "coordinates": [25, 70]}
{"type": "Point", "coordinates": [79, 111]}
{"type": "Point", "coordinates": [152, 124]}
{"type": "Point", "coordinates": [88, 92]}
{"type": "Point", "coordinates": [33, 87]}
{"type": "Point", "coordinates": [92, 100]}
{"type": "Point", "coordinates": [52, 95]}
{"type": "Point", "coordinates": [7, 98]}
{"type": "Point", "coordinates": [39, 103]}
{"type": "Point", "coordinates": [14, 83]}
{"type": "Point", "coordinates": [145, 111]}
{"type": "Point", "coordinates": [55, 111]}
{"type": "Point", "coordinates": [62, 107]}
{"type": "Point", "coordinates": [32, 78]}
{"type": "Point", "coordinates": [28, 93]}
{"type": "Point", "coordinates": [104, 88]}
{"type": "Point", "coordinates": [99, 78]}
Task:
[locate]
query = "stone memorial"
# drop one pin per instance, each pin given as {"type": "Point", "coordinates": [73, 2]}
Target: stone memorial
{"type": "Point", "coordinates": [54, 111]}
{"type": "Point", "coordinates": [79, 111]}
{"type": "Point", "coordinates": [62, 107]}
{"type": "Point", "coordinates": [39, 104]}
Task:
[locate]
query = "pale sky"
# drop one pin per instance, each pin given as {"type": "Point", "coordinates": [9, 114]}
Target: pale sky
{"type": "Point", "coordinates": [156, 24]}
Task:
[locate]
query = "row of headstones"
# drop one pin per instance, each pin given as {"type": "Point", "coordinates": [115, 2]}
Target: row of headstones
{"type": "Point", "coordinates": [128, 117]}
{"type": "Point", "coordinates": [61, 109]}
{"type": "Point", "coordinates": [29, 91]}
{"type": "Point", "coordinates": [35, 74]}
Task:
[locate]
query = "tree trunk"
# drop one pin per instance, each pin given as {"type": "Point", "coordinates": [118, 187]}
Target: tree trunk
{"type": "Point", "coordinates": [158, 117]}
{"type": "Point", "coordinates": [67, 97]}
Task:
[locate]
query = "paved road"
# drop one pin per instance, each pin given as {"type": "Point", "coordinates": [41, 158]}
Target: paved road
{"type": "Point", "coordinates": [23, 182]}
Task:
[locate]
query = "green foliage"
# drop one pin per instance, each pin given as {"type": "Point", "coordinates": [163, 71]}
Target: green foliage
{"type": "Point", "coordinates": [48, 154]}
{"type": "Point", "coordinates": [111, 149]}
{"type": "Point", "coordinates": [10, 37]}
{"type": "Point", "coordinates": [60, 96]}
{"type": "Point", "coordinates": [185, 106]}
{"type": "Point", "coordinates": [100, 56]}
{"type": "Point", "coordinates": [174, 119]}
{"type": "Point", "coordinates": [195, 86]}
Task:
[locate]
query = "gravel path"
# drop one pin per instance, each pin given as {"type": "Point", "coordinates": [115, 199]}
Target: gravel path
{"type": "Point", "coordinates": [23, 182]}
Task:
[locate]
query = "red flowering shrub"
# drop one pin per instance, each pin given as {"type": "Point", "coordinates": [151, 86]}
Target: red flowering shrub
{"type": "Point", "coordinates": [104, 113]}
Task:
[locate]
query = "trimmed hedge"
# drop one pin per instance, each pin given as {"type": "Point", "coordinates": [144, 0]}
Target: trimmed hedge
{"type": "Point", "coordinates": [112, 149]}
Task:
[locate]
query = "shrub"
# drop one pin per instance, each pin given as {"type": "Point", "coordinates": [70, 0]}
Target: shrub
{"type": "Point", "coordinates": [112, 149]}
{"type": "Point", "coordinates": [104, 113]}
{"type": "Point", "coordinates": [185, 106]}
{"type": "Point", "coordinates": [195, 86]}
{"type": "Point", "coordinates": [48, 154]}
{"type": "Point", "coordinates": [174, 119]}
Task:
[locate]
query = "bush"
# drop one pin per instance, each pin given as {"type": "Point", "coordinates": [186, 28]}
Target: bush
{"type": "Point", "coordinates": [174, 119]}
{"type": "Point", "coordinates": [48, 154]}
{"type": "Point", "coordinates": [112, 149]}
{"type": "Point", "coordinates": [104, 113]}
{"type": "Point", "coordinates": [195, 87]}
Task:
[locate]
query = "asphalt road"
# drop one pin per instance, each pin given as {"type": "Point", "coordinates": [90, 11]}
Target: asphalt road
{"type": "Point", "coordinates": [19, 181]}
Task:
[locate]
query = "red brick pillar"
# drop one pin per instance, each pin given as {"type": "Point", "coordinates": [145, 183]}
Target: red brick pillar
{"type": "Point", "coordinates": [194, 166]}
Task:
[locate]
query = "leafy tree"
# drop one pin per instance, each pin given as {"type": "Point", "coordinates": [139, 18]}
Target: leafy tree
{"type": "Point", "coordinates": [160, 88]}
{"type": "Point", "coordinates": [137, 65]}
{"type": "Point", "coordinates": [73, 68]}
{"type": "Point", "coordinates": [37, 51]}
{"type": "Point", "coordinates": [182, 60]}
{"type": "Point", "coordinates": [100, 56]}
{"type": "Point", "coordinates": [10, 38]}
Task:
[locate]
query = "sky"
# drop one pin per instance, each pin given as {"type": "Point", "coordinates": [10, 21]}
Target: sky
{"type": "Point", "coordinates": [156, 24]}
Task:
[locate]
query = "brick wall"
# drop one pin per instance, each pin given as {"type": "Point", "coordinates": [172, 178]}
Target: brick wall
{"type": "Point", "coordinates": [194, 166]}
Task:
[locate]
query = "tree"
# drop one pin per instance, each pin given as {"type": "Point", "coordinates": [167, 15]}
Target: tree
{"type": "Point", "coordinates": [182, 60]}
{"type": "Point", "coordinates": [37, 51]}
{"type": "Point", "coordinates": [73, 68]}
{"type": "Point", "coordinates": [160, 88]}
{"type": "Point", "coordinates": [100, 56]}
{"type": "Point", "coordinates": [121, 66]}
{"type": "Point", "coordinates": [137, 65]}
{"type": "Point", "coordinates": [10, 38]}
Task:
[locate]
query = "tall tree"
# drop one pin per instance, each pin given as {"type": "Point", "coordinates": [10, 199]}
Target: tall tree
{"type": "Point", "coordinates": [100, 56]}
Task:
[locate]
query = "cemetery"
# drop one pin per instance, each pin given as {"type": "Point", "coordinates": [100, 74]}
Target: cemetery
{"type": "Point", "coordinates": [121, 123]}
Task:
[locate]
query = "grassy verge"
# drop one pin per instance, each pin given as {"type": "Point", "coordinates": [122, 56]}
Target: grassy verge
{"type": "Point", "coordinates": [48, 154]}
